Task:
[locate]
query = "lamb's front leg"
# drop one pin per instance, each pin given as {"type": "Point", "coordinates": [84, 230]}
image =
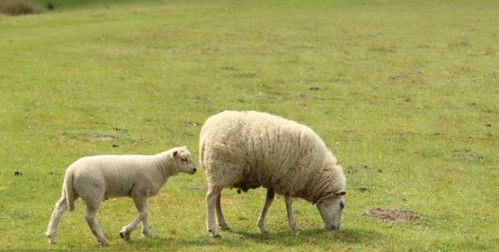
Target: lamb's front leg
{"type": "Point", "coordinates": [141, 205]}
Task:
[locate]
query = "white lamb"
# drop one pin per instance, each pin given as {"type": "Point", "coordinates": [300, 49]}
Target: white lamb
{"type": "Point", "coordinates": [246, 150]}
{"type": "Point", "coordinates": [100, 177]}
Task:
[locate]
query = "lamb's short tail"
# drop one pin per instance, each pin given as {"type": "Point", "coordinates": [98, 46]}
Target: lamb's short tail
{"type": "Point", "coordinates": [69, 191]}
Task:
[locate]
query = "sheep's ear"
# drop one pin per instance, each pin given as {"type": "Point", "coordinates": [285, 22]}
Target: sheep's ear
{"type": "Point", "coordinates": [341, 193]}
{"type": "Point", "coordinates": [175, 153]}
{"type": "Point", "coordinates": [184, 147]}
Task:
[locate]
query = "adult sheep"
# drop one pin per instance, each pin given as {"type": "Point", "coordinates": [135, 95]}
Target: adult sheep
{"type": "Point", "coordinates": [100, 177]}
{"type": "Point", "coordinates": [246, 150]}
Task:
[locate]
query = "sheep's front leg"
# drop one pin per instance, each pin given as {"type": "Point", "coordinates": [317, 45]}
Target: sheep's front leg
{"type": "Point", "coordinates": [220, 216]}
{"type": "Point", "coordinates": [268, 201]}
{"type": "Point", "coordinates": [291, 219]}
{"type": "Point", "coordinates": [59, 209]}
{"type": "Point", "coordinates": [211, 202]}
{"type": "Point", "coordinates": [92, 223]}
{"type": "Point", "coordinates": [141, 205]}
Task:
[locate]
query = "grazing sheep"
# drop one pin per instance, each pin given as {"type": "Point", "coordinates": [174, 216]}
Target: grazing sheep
{"type": "Point", "coordinates": [246, 150]}
{"type": "Point", "coordinates": [100, 177]}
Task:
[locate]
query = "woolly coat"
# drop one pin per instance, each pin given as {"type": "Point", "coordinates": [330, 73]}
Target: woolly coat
{"type": "Point", "coordinates": [246, 150]}
{"type": "Point", "coordinates": [116, 175]}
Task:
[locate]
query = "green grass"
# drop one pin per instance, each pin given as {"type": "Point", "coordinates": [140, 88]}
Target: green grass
{"type": "Point", "coordinates": [405, 93]}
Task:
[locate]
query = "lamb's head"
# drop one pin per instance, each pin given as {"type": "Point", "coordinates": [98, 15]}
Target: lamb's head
{"type": "Point", "coordinates": [330, 209]}
{"type": "Point", "coordinates": [182, 161]}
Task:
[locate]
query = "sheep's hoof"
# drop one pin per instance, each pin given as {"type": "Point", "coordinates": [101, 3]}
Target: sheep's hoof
{"type": "Point", "coordinates": [225, 227]}
{"type": "Point", "coordinates": [214, 235]}
{"type": "Point", "coordinates": [104, 243]}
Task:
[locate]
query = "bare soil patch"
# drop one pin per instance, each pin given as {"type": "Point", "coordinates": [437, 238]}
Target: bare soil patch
{"type": "Point", "coordinates": [98, 138]}
{"type": "Point", "coordinates": [387, 214]}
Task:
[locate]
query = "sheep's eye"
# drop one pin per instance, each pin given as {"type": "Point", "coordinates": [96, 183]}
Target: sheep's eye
{"type": "Point", "coordinates": [342, 205]}
{"type": "Point", "coordinates": [183, 159]}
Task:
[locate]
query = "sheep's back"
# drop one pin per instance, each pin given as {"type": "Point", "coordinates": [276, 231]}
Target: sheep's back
{"type": "Point", "coordinates": [262, 149]}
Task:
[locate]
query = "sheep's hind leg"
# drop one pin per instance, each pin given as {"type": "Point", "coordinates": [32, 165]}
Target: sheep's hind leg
{"type": "Point", "coordinates": [59, 209]}
{"type": "Point", "coordinates": [268, 201]}
{"type": "Point", "coordinates": [92, 223]}
{"type": "Point", "coordinates": [291, 219]}
{"type": "Point", "coordinates": [211, 202]}
{"type": "Point", "coordinates": [141, 205]}
{"type": "Point", "coordinates": [220, 216]}
{"type": "Point", "coordinates": [145, 227]}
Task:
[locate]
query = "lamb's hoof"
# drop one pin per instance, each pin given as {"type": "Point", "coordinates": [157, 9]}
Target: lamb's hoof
{"type": "Point", "coordinates": [124, 235]}
{"type": "Point", "coordinates": [50, 238]}
{"type": "Point", "coordinates": [295, 229]}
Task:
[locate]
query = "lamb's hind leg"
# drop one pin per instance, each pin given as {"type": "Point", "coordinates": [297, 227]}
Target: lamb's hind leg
{"type": "Point", "coordinates": [291, 219]}
{"type": "Point", "coordinates": [92, 222]}
{"type": "Point", "coordinates": [220, 216]}
{"type": "Point", "coordinates": [268, 201]}
{"type": "Point", "coordinates": [141, 205]}
{"type": "Point", "coordinates": [59, 209]}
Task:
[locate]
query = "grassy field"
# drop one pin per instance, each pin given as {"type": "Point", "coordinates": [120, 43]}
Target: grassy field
{"type": "Point", "coordinates": [405, 93]}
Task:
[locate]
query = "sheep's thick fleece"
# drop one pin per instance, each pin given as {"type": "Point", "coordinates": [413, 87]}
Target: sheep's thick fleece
{"type": "Point", "coordinates": [249, 149]}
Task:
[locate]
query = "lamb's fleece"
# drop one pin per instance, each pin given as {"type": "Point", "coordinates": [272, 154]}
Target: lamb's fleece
{"type": "Point", "coordinates": [250, 149]}
{"type": "Point", "coordinates": [119, 174]}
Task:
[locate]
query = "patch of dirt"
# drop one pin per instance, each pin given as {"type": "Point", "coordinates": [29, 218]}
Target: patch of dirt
{"type": "Point", "coordinates": [409, 75]}
{"type": "Point", "coordinates": [387, 214]}
{"type": "Point", "coordinates": [99, 138]}
{"type": "Point", "coordinates": [142, 141]}
{"type": "Point", "coordinates": [468, 156]}
{"type": "Point", "coordinates": [317, 88]}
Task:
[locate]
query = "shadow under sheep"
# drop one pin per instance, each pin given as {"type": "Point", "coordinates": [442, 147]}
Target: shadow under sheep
{"type": "Point", "coordinates": [283, 238]}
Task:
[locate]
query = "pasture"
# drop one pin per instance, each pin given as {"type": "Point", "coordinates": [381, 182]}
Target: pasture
{"type": "Point", "coordinates": [405, 93]}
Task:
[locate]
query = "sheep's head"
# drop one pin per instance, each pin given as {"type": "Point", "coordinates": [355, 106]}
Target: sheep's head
{"type": "Point", "coordinates": [330, 209]}
{"type": "Point", "coordinates": [182, 160]}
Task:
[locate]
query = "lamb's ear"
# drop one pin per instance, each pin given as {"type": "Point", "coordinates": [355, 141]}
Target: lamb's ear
{"type": "Point", "coordinates": [184, 147]}
{"type": "Point", "coordinates": [340, 193]}
{"type": "Point", "coordinates": [175, 152]}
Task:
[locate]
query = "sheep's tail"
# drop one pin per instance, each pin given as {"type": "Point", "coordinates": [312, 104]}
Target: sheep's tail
{"type": "Point", "coordinates": [69, 190]}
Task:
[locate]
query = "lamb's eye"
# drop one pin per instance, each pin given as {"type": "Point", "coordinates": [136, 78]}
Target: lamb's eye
{"type": "Point", "coordinates": [184, 159]}
{"type": "Point", "coordinates": [342, 205]}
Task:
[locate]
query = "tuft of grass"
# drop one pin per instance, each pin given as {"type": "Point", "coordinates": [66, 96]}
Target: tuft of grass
{"type": "Point", "coordinates": [19, 7]}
